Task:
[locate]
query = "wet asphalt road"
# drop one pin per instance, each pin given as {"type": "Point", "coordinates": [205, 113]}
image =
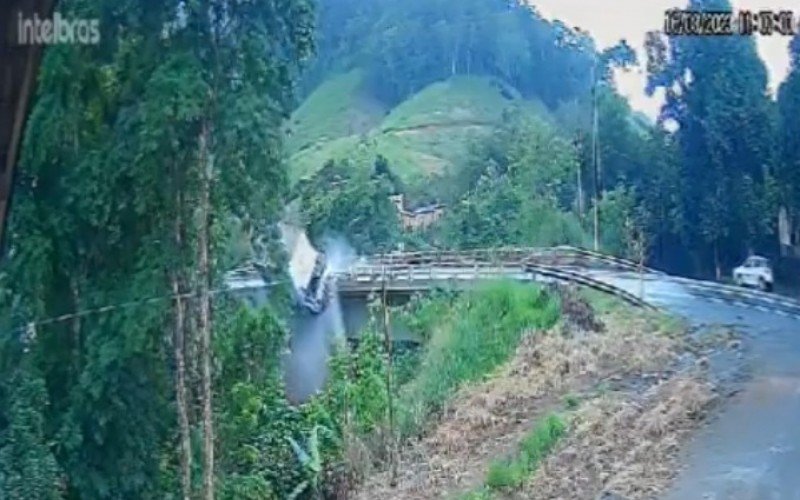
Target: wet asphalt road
{"type": "Point", "coordinates": [750, 449]}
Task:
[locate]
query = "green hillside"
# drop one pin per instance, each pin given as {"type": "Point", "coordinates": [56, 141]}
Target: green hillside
{"type": "Point", "coordinates": [337, 108]}
{"type": "Point", "coordinates": [455, 102]}
{"type": "Point", "coordinates": [427, 134]}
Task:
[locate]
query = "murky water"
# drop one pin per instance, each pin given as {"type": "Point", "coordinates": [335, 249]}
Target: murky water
{"type": "Point", "coordinates": [315, 335]}
{"type": "Point", "coordinates": [313, 338]}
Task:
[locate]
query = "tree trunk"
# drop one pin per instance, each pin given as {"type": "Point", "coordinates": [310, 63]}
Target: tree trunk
{"type": "Point", "coordinates": [595, 158]}
{"type": "Point", "coordinates": [180, 391]}
{"type": "Point", "coordinates": [179, 341]}
{"type": "Point", "coordinates": [580, 180]}
{"type": "Point", "coordinates": [206, 172]}
{"type": "Point", "coordinates": [192, 357]}
{"type": "Point", "coordinates": [717, 266]}
{"type": "Point", "coordinates": [77, 350]}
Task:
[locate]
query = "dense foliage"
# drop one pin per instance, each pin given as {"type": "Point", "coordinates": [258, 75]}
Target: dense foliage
{"type": "Point", "coordinates": [27, 466]}
{"type": "Point", "coordinates": [113, 207]}
{"type": "Point", "coordinates": [404, 46]}
{"type": "Point", "coordinates": [788, 169]}
{"type": "Point", "coordinates": [353, 202]}
{"type": "Point", "coordinates": [523, 191]}
{"type": "Point", "coordinates": [716, 94]}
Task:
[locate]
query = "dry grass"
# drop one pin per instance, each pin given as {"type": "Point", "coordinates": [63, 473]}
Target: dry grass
{"type": "Point", "coordinates": [621, 448]}
{"type": "Point", "coordinates": [488, 420]}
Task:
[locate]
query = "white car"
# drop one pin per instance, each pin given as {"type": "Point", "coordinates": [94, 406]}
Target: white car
{"type": "Point", "coordinates": [756, 271]}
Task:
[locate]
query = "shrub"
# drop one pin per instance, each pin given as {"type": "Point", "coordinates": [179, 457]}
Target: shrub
{"type": "Point", "coordinates": [506, 475]}
{"type": "Point", "coordinates": [480, 332]}
{"type": "Point", "coordinates": [534, 448]}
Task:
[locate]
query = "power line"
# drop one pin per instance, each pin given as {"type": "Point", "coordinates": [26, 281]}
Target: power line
{"type": "Point", "coordinates": [31, 326]}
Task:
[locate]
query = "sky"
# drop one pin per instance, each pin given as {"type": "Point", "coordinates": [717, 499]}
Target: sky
{"type": "Point", "coordinates": [610, 20]}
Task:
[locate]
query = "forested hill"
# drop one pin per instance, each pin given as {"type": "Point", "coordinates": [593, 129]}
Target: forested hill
{"type": "Point", "coordinates": [405, 46]}
{"type": "Point", "coordinates": [708, 189]}
{"type": "Point", "coordinates": [418, 82]}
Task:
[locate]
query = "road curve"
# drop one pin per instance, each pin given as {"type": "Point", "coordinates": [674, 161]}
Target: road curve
{"type": "Point", "coordinates": [751, 449]}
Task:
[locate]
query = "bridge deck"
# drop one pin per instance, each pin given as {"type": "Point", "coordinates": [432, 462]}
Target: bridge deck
{"type": "Point", "coordinates": [420, 271]}
{"type": "Point", "coordinates": [425, 279]}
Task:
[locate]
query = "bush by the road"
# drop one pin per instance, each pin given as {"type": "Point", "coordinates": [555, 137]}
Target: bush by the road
{"type": "Point", "coordinates": [479, 332]}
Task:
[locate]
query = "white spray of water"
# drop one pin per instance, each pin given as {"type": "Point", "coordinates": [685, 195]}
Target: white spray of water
{"type": "Point", "coordinates": [340, 257]}
{"type": "Point", "coordinates": [314, 335]}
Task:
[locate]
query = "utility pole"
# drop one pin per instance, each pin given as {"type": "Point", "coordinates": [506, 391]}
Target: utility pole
{"type": "Point", "coordinates": [595, 157]}
{"type": "Point", "coordinates": [579, 141]}
{"type": "Point", "coordinates": [387, 331]}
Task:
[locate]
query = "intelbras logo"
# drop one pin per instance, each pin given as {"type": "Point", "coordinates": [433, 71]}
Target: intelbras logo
{"type": "Point", "coordinates": [58, 30]}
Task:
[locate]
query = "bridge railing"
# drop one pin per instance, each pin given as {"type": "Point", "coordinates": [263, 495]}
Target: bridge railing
{"type": "Point", "coordinates": [567, 276]}
{"type": "Point", "coordinates": [374, 276]}
{"type": "Point", "coordinates": [506, 255]}
{"type": "Point", "coordinates": [484, 262]}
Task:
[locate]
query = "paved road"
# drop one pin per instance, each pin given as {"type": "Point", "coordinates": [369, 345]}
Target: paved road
{"type": "Point", "coordinates": [751, 449]}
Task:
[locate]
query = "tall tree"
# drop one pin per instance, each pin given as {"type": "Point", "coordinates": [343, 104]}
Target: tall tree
{"type": "Point", "coordinates": [789, 130]}
{"type": "Point", "coordinates": [112, 176]}
{"type": "Point", "coordinates": [27, 466]}
{"type": "Point", "coordinates": [716, 94]}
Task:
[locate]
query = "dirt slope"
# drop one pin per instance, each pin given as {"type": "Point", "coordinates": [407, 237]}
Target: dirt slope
{"type": "Point", "coordinates": [487, 421]}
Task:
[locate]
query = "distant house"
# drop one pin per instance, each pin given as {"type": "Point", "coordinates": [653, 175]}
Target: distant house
{"type": "Point", "coordinates": [419, 218]}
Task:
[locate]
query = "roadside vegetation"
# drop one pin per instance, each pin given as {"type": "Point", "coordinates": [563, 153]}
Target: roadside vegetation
{"type": "Point", "coordinates": [499, 436]}
{"type": "Point", "coordinates": [535, 446]}
{"type": "Point", "coordinates": [466, 336]}
{"type": "Point", "coordinates": [476, 332]}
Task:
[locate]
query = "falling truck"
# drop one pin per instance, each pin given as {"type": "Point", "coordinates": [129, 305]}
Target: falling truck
{"type": "Point", "coordinates": [316, 293]}
{"type": "Point", "coordinates": [308, 269]}
{"type": "Point", "coordinates": [312, 281]}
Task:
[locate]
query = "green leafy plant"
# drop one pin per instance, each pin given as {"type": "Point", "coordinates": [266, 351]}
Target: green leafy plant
{"type": "Point", "coordinates": [534, 448]}
{"type": "Point", "coordinates": [572, 401]}
{"type": "Point", "coordinates": [310, 459]}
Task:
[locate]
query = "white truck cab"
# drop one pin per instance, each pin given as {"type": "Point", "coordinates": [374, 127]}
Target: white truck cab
{"type": "Point", "coordinates": [755, 271]}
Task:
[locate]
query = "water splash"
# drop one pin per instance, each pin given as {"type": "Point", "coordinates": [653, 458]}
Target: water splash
{"type": "Point", "coordinates": [340, 256]}
{"type": "Point", "coordinates": [313, 335]}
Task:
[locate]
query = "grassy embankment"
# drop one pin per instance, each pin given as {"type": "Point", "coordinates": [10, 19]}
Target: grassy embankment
{"type": "Point", "coordinates": [597, 392]}
{"type": "Point", "coordinates": [533, 449]}
{"type": "Point", "coordinates": [468, 339]}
